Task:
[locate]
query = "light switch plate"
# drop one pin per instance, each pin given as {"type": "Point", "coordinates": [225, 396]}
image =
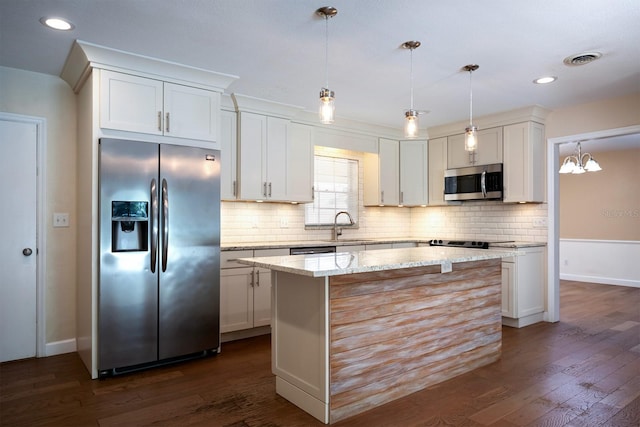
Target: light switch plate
{"type": "Point", "coordinates": [60, 219]}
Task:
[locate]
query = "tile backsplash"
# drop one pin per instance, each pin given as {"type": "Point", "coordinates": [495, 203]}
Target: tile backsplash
{"type": "Point", "coordinates": [266, 222]}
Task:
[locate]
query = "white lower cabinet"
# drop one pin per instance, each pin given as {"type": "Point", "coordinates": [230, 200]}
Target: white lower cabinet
{"type": "Point", "coordinates": [245, 292]}
{"type": "Point", "coordinates": [523, 287]}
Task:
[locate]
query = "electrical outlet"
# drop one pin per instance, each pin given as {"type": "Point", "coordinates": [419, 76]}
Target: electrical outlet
{"type": "Point", "coordinates": [566, 262]}
{"type": "Point", "coordinates": [60, 219]}
{"type": "Point", "coordinates": [540, 222]}
{"type": "Point", "coordinates": [284, 222]}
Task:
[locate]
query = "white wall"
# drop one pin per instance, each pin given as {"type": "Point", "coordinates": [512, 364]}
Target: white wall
{"type": "Point", "coordinates": [42, 95]}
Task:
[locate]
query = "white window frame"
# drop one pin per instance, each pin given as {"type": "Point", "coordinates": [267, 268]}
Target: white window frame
{"type": "Point", "coordinates": [331, 175]}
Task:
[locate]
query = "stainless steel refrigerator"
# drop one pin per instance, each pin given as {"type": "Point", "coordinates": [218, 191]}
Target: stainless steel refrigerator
{"type": "Point", "coordinates": [159, 270]}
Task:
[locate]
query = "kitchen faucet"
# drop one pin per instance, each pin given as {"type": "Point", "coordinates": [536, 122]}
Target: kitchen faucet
{"type": "Point", "coordinates": [338, 231]}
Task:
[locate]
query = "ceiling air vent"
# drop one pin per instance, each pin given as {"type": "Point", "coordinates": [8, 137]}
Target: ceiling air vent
{"type": "Point", "coordinates": [582, 58]}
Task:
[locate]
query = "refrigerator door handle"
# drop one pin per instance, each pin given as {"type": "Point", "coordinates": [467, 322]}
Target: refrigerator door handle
{"type": "Point", "coordinates": [165, 224]}
{"type": "Point", "coordinates": [154, 224]}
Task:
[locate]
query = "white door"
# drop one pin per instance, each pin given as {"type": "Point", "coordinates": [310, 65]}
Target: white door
{"type": "Point", "coordinates": [18, 142]}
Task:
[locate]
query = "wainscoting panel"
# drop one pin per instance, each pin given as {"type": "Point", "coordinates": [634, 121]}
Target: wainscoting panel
{"type": "Point", "coordinates": [611, 262]}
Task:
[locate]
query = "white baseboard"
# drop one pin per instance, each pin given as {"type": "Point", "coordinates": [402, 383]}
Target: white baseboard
{"type": "Point", "coordinates": [600, 279]}
{"type": "Point", "coordinates": [60, 347]}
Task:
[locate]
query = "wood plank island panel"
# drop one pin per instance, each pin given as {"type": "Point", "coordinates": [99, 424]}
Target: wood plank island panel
{"type": "Point", "coordinates": [395, 332]}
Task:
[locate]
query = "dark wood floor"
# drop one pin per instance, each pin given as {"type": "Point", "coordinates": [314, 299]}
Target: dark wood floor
{"type": "Point", "coordinates": [582, 371]}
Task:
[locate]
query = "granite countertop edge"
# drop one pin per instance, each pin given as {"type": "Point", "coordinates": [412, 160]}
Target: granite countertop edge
{"type": "Point", "coordinates": [340, 263]}
{"type": "Point", "coordinates": [239, 246]}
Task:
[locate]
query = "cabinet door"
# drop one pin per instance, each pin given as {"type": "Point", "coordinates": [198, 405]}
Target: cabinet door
{"type": "Point", "coordinates": [524, 163]}
{"type": "Point", "coordinates": [389, 172]}
{"type": "Point", "coordinates": [252, 141]}
{"type": "Point", "coordinates": [236, 299]}
{"type": "Point", "coordinates": [262, 297]}
{"type": "Point", "coordinates": [130, 103]}
{"type": "Point", "coordinates": [489, 146]}
{"type": "Point", "coordinates": [191, 112]}
{"type": "Point", "coordinates": [457, 157]}
{"type": "Point", "coordinates": [508, 289]}
{"type": "Point", "coordinates": [437, 166]}
{"type": "Point", "coordinates": [276, 158]}
{"type": "Point", "coordinates": [489, 149]}
{"type": "Point", "coordinates": [300, 163]}
{"type": "Point", "coordinates": [413, 173]}
{"type": "Point", "coordinates": [228, 147]}
{"type": "Point", "coordinates": [530, 282]}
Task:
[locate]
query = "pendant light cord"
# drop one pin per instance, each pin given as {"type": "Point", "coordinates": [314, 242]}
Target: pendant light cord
{"type": "Point", "coordinates": [326, 51]}
{"type": "Point", "coordinates": [411, 78]}
{"type": "Point", "coordinates": [470, 99]}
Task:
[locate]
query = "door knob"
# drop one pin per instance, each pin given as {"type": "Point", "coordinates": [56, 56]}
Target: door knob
{"type": "Point", "coordinates": [27, 251]}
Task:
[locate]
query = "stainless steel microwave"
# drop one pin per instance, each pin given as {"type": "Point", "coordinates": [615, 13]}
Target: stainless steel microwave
{"type": "Point", "coordinates": [474, 183]}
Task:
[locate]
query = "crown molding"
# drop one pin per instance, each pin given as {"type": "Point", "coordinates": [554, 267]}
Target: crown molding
{"type": "Point", "coordinates": [85, 56]}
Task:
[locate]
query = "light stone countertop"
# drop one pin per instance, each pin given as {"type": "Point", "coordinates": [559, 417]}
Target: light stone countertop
{"type": "Point", "coordinates": [334, 264]}
{"type": "Point", "coordinates": [239, 246]}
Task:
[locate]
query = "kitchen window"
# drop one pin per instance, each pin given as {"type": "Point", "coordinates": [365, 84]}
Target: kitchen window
{"type": "Point", "coordinates": [335, 190]}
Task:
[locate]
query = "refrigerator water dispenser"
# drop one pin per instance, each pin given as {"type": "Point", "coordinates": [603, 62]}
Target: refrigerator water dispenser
{"type": "Point", "coordinates": [129, 226]}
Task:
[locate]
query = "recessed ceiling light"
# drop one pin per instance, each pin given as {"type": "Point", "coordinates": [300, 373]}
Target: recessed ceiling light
{"type": "Point", "coordinates": [545, 80]}
{"type": "Point", "coordinates": [57, 23]}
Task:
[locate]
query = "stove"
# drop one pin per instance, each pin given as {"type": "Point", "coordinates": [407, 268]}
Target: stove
{"type": "Point", "coordinates": [473, 244]}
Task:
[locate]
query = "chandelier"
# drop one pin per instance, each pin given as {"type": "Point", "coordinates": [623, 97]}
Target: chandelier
{"type": "Point", "coordinates": [576, 163]}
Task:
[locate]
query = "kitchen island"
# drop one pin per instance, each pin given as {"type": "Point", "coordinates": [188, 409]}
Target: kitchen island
{"type": "Point", "coordinates": [354, 330]}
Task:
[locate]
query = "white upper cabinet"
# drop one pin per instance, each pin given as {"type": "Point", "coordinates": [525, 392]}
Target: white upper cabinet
{"type": "Point", "coordinates": [397, 174]}
{"type": "Point", "coordinates": [489, 149]}
{"type": "Point", "coordinates": [300, 170]}
{"type": "Point", "coordinates": [130, 103]}
{"type": "Point", "coordinates": [524, 163]}
{"type": "Point", "coordinates": [382, 174]}
{"type": "Point", "coordinates": [413, 173]}
{"type": "Point", "coordinates": [228, 147]}
{"type": "Point", "coordinates": [275, 159]}
{"type": "Point", "coordinates": [437, 166]}
{"type": "Point", "coordinates": [252, 146]}
{"type": "Point", "coordinates": [139, 104]}
{"type": "Point", "coordinates": [190, 112]}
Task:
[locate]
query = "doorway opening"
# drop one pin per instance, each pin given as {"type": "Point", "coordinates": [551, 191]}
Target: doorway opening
{"type": "Point", "coordinates": [553, 213]}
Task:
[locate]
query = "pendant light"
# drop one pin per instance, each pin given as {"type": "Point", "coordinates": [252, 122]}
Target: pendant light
{"type": "Point", "coordinates": [411, 115]}
{"type": "Point", "coordinates": [576, 164]}
{"type": "Point", "coordinates": [327, 96]}
{"type": "Point", "coordinates": [471, 132]}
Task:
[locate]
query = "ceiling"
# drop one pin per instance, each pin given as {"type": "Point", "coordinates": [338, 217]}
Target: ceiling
{"type": "Point", "coordinates": [277, 48]}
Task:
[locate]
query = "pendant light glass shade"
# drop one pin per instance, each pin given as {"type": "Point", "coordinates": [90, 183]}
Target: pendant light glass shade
{"type": "Point", "coordinates": [327, 96]}
{"type": "Point", "coordinates": [411, 124]}
{"type": "Point", "coordinates": [471, 132]}
{"type": "Point", "coordinates": [471, 138]}
{"type": "Point", "coordinates": [576, 164]}
{"type": "Point", "coordinates": [327, 106]}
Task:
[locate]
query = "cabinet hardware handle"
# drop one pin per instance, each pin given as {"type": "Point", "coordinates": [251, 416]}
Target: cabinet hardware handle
{"type": "Point", "coordinates": [234, 189]}
{"type": "Point", "coordinates": [313, 193]}
{"type": "Point", "coordinates": [382, 196]}
{"type": "Point", "coordinates": [264, 189]}
{"type": "Point", "coordinates": [258, 278]}
{"type": "Point", "coordinates": [153, 193]}
{"type": "Point", "coordinates": [269, 189]}
{"type": "Point", "coordinates": [167, 122]}
{"type": "Point", "coordinates": [160, 121]}
{"type": "Point", "coordinates": [401, 197]}
{"type": "Point", "coordinates": [252, 277]}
